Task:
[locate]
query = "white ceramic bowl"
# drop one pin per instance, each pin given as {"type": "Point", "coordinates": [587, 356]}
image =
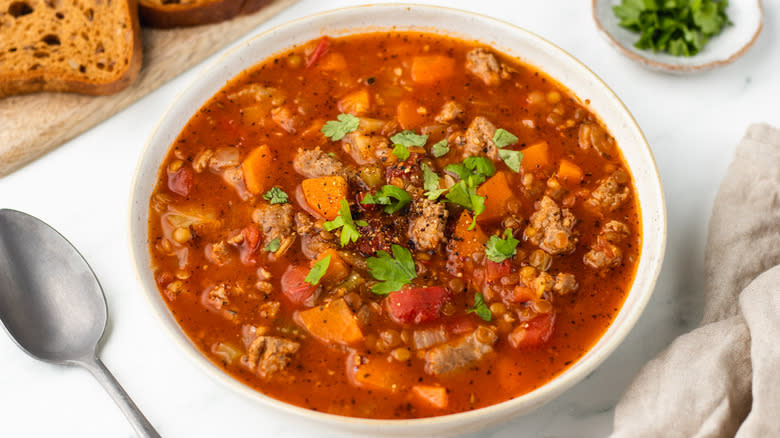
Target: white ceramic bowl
{"type": "Point", "coordinates": [530, 49]}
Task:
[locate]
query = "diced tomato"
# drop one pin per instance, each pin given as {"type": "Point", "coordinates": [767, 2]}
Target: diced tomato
{"type": "Point", "coordinates": [295, 287]}
{"type": "Point", "coordinates": [461, 325]}
{"type": "Point", "coordinates": [180, 182]}
{"type": "Point", "coordinates": [414, 306]}
{"type": "Point", "coordinates": [319, 51]}
{"type": "Point", "coordinates": [534, 332]}
{"type": "Point", "coordinates": [494, 271]}
{"type": "Point", "coordinates": [248, 248]}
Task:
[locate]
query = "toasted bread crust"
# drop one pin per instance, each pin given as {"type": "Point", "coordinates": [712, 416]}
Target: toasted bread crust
{"type": "Point", "coordinates": [45, 78]}
{"type": "Point", "coordinates": [154, 13]}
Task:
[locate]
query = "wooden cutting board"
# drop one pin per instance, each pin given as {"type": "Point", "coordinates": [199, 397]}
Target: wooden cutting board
{"type": "Point", "coordinates": [34, 124]}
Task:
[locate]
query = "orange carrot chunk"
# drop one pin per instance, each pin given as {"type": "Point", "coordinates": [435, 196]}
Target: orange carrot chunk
{"type": "Point", "coordinates": [323, 194]}
{"type": "Point", "coordinates": [430, 69]}
{"type": "Point", "coordinates": [337, 268]}
{"type": "Point", "coordinates": [466, 241]}
{"type": "Point", "coordinates": [356, 103]}
{"type": "Point", "coordinates": [333, 62]}
{"type": "Point", "coordinates": [435, 396]}
{"type": "Point", "coordinates": [496, 192]}
{"type": "Point", "coordinates": [408, 116]}
{"type": "Point", "coordinates": [257, 169]}
{"type": "Point", "coordinates": [332, 322]}
{"type": "Point", "coordinates": [569, 172]}
{"type": "Point", "coordinates": [535, 157]}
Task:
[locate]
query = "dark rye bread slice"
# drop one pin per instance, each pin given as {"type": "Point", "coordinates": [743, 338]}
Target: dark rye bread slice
{"type": "Point", "coordinates": [81, 46]}
{"type": "Point", "coordinates": [166, 14]}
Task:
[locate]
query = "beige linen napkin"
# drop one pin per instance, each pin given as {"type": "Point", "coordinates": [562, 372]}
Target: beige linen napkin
{"type": "Point", "coordinates": [723, 379]}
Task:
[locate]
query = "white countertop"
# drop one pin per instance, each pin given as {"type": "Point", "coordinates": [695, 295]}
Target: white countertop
{"type": "Point", "coordinates": [693, 124]}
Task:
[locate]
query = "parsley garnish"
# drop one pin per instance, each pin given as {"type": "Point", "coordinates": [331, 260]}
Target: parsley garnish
{"type": "Point", "coordinates": [276, 196]}
{"type": "Point", "coordinates": [511, 158]}
{"type": "Point", "coordinates": [680, 27]}
{"type": "Point", "coordinates": [401, 151]}
{"type": "Point", "coordinates": [336, 130]}
{"type": "Point", "coordinates": [498, 249]}
{"type": "Point", "coordinates": [503, 138]}
{"type": "Point", "coordinates": [480, 308]}
{"type": "Point", "coordinates": [394, 271]}
{"type": "Point", "coordinates": [467, 197]}
{"type": "Point", "coordinates": [273, 245]}
{"type": "Point", "coordinates": [431, 183]}
{"type": "Point", "coordinates": [472, 172]}
{"type": "Point", "coordinates": [392, 197]}
{"type": "Point", "coordinates": [440, 149]}
{"type": "Point", "coordinates": [409, 138]}
{"type": "Point", "coordinates": [349, 232]}
{"type": "Point", "coordinates": [317, 271]}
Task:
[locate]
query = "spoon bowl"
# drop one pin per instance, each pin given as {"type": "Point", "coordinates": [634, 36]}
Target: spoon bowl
{"type": "Point", "coordinates": [52, 304]}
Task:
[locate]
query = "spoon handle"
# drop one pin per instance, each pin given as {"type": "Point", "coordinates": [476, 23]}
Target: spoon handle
{"type": "Point", "coordinates": [142, 427]}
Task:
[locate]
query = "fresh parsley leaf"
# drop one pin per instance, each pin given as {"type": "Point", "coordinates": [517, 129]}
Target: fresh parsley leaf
{"type": "Point", "coordinates": [481, 308]}
{"type": "Point", "coordinates": [409, 138]}
{"type": "Point", "coordinates": [431, 183]}
{"type": "Point", "coordinates": [273, 245]}
{"type": "Point", "coordinates": [511, 158]}
{"type": "Point", "coordinates": [317, 271]}
{"type": "Point", "coordinates": [503, 138]}
{"type": "Point", "coordinates": [401, 151]}
{"type": "Point", "coordinates": [394, 271]}
{"type": "Point", "coordinates": [440, 148]}
{"type": "Point", "coordinates": [349, 232]}
{"type": "Point", "coordinates": [498, 249]}
{"type": "Point", "coordinates": [480, 165]}
{"type": "Point", "coordinates": [276, 196]}
{"type": "Point", "coordinates": [392, 197]}
{"type": "Point", "coordinates": [678, 27]}
{"type": "Point", "coordinates": [337, 129]}
{"type": "Point", "coordinates": [467, 197]}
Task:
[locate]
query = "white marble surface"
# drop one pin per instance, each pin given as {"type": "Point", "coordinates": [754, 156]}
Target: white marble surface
{"type": "Point", "coordinates": [692, 123]}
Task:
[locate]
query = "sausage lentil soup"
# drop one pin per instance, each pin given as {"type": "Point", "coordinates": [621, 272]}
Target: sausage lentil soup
{"type": "Point", "coordinates": [394, 225]}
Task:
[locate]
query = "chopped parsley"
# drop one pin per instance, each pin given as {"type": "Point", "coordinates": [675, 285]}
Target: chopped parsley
{"type": "Point", "coordinates": [431, 183]}
{"type": "Point", "coordinates": [481, 308]}
{"type": "Point", "coordinates": [317, 271]}
{"type": "Point", "coordinates": [392, 197]}
{"type": "Point", "coordinates": [401, 151]}
{"type": "Point", "coordinates": [472, 172]}
{"type": "Point", "coordinates": [409, 138]}
{"type": "Point", "coordinates": [498, 249]}
{"type": "Point", "coordinates": [276, 196]}
{"type": "Point", "coordinates": [349, 232]}
{"type": "Point", "coordinates": [678, 27]}
{"type": "Point", "coordinates": [440, 148]}
{"type": "Point", "coordinates": [337, 129]}
{"type": "Point", "coordinates": [503, 138]}
{"type": "Point", "coordinates": [394, 272]}
{"type": "Point", "coordinates": [466, 196]}
{"type": "Point", "coordinates": [273, 245]}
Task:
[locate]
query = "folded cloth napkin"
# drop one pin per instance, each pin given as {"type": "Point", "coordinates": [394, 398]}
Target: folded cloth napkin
{"type": "Point", "coordinates": [723, 379]}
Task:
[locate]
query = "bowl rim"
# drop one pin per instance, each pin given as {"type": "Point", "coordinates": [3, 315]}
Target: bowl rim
{"type": "Point", "coordinates": [569, 377]}
{"type": "Point", "coordinates": [677, 68]}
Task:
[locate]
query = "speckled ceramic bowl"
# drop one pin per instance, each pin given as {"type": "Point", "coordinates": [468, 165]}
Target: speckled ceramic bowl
{"type": "Point", "coordinates": [529, 48]}
{"type": "Point", "coordinates": [733, 42]}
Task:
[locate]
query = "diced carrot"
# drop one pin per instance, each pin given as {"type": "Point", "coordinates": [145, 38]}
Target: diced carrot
{"type": "Point", "coordinates": [467, 242]}
{"type": "Point", "coordinates": [408, 116]}
{"type": "Point", "coordinates": [257, 169]}
{"type": "Point", "coordinates": [374, 373]}
{"type": "Point", "coordinates": [569, 172]}
{"type": "Point", "coordinates": [323, 194]}
{"type": "Point", "coordinates": [430, 69]}
{"type": "Point", "coordinates": [435, 396]}
{"type": "Point", "coordinates": [332, 322]}
{"type": "Point", "coordinates": [535, 157]}
{"type": "Point", "coordinates": [333, 62]}
{"type": "Point", "coordinates": [496, 192]}
{"type": "Point", "coordinates": [314, 128]}
{"type": "Point", "coordinates": [337, 269]}
{"type": "Point", "coordinates": [356, 103]}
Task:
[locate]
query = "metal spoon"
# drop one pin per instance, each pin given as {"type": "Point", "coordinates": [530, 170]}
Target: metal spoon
{"type": "Point", "coordinates": [52, 304]}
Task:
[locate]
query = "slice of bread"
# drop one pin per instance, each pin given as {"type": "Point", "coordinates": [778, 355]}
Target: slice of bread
{"type": "Point", "coordinates": [166, 14]}
{"type": "Point", "coordinates": [81, 46]}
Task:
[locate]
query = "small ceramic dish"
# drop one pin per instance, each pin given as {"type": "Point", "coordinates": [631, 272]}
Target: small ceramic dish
{"type": "Point", "coordinates": [733, 42]}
